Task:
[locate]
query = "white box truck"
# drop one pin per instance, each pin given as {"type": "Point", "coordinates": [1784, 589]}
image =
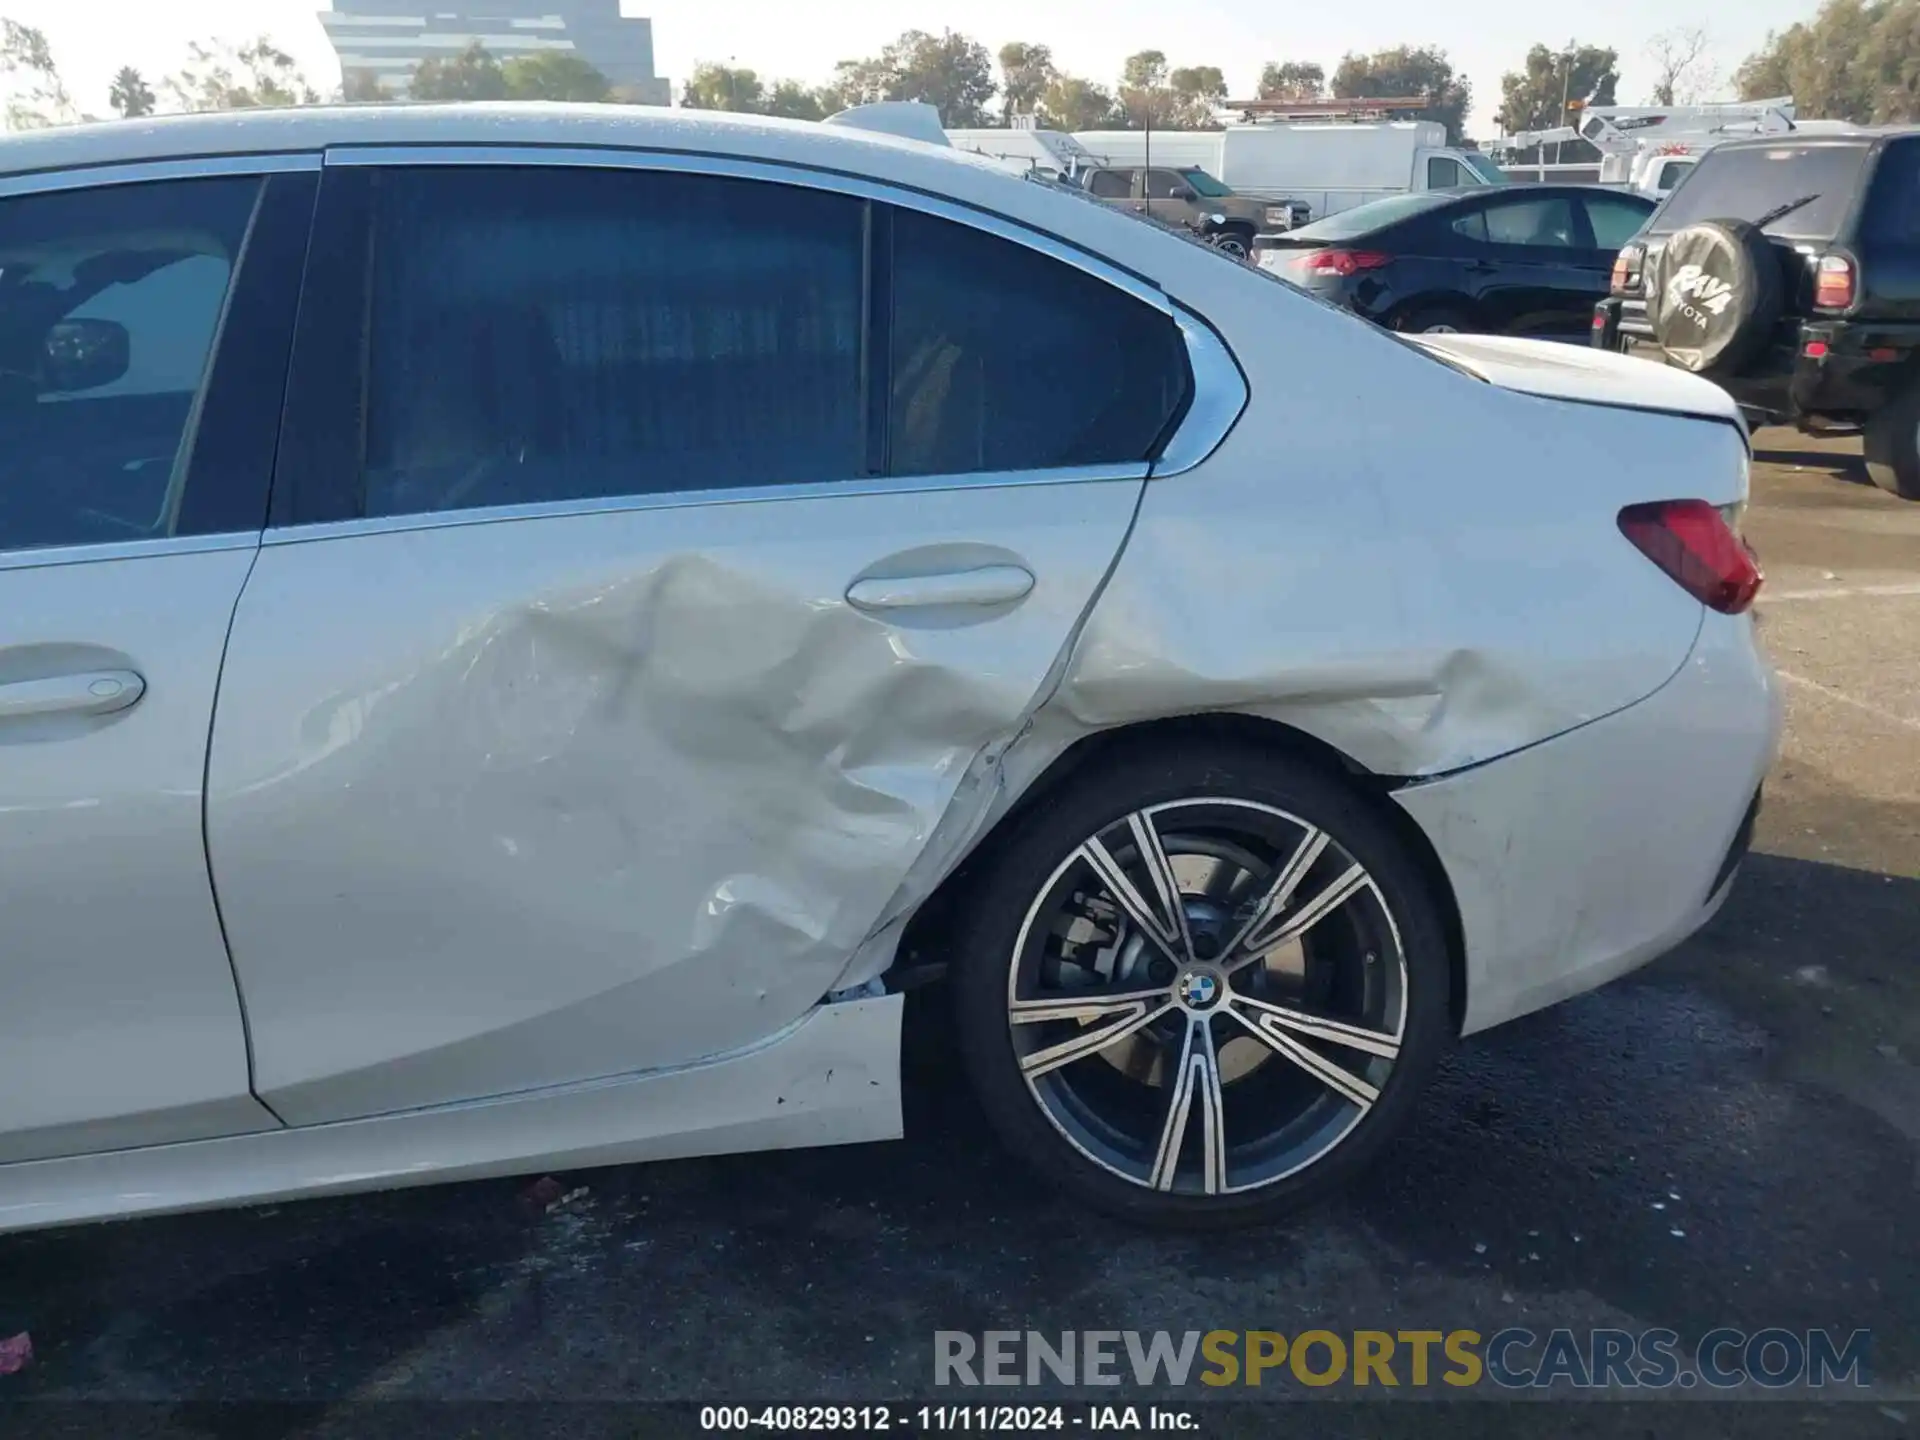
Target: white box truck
{"type": "Point", "coordinates": [1332, 165]}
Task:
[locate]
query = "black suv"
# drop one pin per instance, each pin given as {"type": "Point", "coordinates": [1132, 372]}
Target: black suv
{"type": "Point", "coordinates": [1788, 270]}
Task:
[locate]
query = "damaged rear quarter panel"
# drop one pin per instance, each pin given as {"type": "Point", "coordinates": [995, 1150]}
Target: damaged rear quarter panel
{"type": "Point", "coordinates": [501, 805]}
{"type": "Point", "coordinates": [1418, 568]}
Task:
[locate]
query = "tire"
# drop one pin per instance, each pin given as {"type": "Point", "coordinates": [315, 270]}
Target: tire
{"type": "Point", "coordinates": [1893, 446]}
{"type": "Point", "coordinates": [1237, 243]}
{"type": "Point", "coordinates": [1098, 1124]}
{"type": "Point", "coordinates": [1436, 320]}
{"type": "Point", "coordinates": [1716, 297]}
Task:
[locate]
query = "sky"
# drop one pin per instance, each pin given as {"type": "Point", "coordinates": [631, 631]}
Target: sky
{"type": "Point", "coordinates": [91, 39]}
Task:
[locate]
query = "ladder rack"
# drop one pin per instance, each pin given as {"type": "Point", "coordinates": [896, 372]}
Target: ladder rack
{"type": "Point", "coordinates": [1357, 109]}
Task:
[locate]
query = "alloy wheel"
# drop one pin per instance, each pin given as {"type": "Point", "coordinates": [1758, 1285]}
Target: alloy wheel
{"type": "Point", "coordinates": [1207, 996]}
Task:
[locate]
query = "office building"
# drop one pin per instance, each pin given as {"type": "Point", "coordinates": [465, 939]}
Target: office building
{"type": "Point", "coordinates": [385, 39]}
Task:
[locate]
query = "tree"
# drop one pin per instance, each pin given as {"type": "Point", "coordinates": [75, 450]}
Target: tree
{"type": "Point", "coordinates": [258, 74]}
{"type": "Point", "coordinates": [1850, 62]}
{"type": "Point", "coordinates": [362, 87]}
{"type": "Point", "coordinates": [1197, 89]}
{"type": "Point", "coordinates": [36, 95]}
{"type": "Point", "coordinates": [947, 71]}
{"type": "Point", "coordinates": [131, 97]}
{"type": "Point", "coordinates": [1408, 70]}
{"type": "Point", "coordinates": [714, 86]}
{"type": "Point", "coordinates": [1070, 103]}
{"type": "Point", "coordinates": [1025, 73]}
{"type": "Point", "coordinates": [1292, 80]}
{"type": "Point", "coordinates": [793, 101]}
{"type": "Point", "coordinates": [1683, 71]}
{"type": "Point", "coordinates": [473, 74]}
{"type": "Point", "coordinates": [554, 75]}
{"type": "Point", "coordinates": [1146, 99]}
{"type": "Point", "coordinates": [1538, 97]}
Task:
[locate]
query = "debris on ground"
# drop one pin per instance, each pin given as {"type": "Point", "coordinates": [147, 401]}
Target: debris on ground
{"type": "Point", "coordinates": [15, 1353]}
{"type": "Point", "coordinates": [543, 1192]}
{"type": "Point", "coordinates": [568, 1200]}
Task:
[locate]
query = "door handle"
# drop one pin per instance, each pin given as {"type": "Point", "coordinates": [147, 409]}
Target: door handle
{"type": "Point", "coordinates": [99, 692]}
{"type": "Point", "coordinates": [988, 585]}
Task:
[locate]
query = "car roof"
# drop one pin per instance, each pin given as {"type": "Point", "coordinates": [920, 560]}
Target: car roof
{"type": "Point", "coordinates": [318, 127]}
{"type": "Point", "coordinates": [1529, 187]}
{"type": "Point", "coordinates": [1865, 135]}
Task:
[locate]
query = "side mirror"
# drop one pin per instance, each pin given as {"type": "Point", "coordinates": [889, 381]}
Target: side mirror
{"type": "Point", "coordinates": [1189, 196]}
{"type": "Point", "coordinates": [84, 355]}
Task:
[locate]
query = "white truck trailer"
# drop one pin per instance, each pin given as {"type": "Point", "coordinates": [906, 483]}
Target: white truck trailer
{"type": "Point", "coordinates": [1331, 164]}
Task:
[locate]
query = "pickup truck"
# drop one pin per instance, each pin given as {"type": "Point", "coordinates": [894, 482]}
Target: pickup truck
{"type": "Point", "coordinates": [1187, 195]}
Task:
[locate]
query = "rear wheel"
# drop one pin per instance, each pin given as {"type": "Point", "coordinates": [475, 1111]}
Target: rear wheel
{"type": "Point", "coordinates": [1439, 320]}
{"type": "Point", "coordinates": [1201, 987]}
{"type": "Point", "coordinates": [1893, 446]}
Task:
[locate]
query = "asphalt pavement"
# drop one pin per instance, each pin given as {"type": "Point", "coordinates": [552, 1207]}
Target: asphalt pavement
{"type": "Point", "coordinates": [1729, 1138]}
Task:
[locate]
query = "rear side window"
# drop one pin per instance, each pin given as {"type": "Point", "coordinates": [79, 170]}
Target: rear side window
{"type": "Point", "coordinates": [1614, 220]}
{"type": "Point", "coordinates": [1748, 181]}
{"type": "Point", "coordinates": [550, 334]}
{"type": "Point", "coordinates": [1893, 205]}
{"type": "Point", "coordinates": [1007, 359]}
{"type": "Point", "coordinates": [1545, 223]}
{"type": "Point", "coordinates": [110, 302]}
{"type": "Point", "coordinates": [1112, 184]}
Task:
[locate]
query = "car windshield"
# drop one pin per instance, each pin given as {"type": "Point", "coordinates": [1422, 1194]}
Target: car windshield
{"type": "Point", "coordinates": [1807, 188]}
{"type": "Point", "coordinates": [1484, 167]}
{"type": "Point", "coordinates": [1203, 183]}
{"type": "Point", "coordinates": [1374, 215]}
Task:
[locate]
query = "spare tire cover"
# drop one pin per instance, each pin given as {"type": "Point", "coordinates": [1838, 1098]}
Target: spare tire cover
{"type": "Point", "coordinates": [1717, 296]}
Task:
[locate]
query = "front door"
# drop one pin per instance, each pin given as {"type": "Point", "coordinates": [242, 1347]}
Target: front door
{"type": "Point", "coordinates": [1529, 279]}
{"type": "Point", "coordinates": [133, 485]}
{"type": "Point", "coordinates": [703, 538]}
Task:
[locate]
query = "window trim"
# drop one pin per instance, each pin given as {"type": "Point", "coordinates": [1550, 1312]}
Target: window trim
{"type": "Point", "coordinates": [204, 167]}
{"type": "Point", "coordinates": [217, 536]}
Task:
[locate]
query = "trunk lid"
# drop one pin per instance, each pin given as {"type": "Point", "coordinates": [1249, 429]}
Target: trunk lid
{"type": "Point", "coordinates": [1593, 377]}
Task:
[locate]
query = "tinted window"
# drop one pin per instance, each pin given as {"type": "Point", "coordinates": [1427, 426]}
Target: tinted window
{"type": "Point", "coordinates": [1746, 182]}
{"type": "Point", "coordinates": [1893, 206]}
{"type": "Point", "coordinates": [109, 303]}
{"type": "Point", "coordinates": [1473, 226]}
{"type": "Point", "coordinates": [1374, 215]}
{"type": "Point", "coordinates": [1442, 172]}
{"type": "Point", "coordinates": [1204, 183]}
{"type": "Point", "coordinates": [1165, 185]}
{"type": "Point", "coordinates": [1614, 220]}
{"type": "Point", "coordinates": [1671, 172]}
{"type": "Point", "coordinates": [1007, 359]}
{"type": "Point", "coordinates": [1112, 184]}
{"type": "Point", "coordinates": [557, 334]}
{"type": "Point", "coordinates": [1546, 223]}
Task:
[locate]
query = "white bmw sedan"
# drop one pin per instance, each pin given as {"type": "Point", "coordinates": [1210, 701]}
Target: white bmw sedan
{"type": "Point", "coordinates": [521, 629]}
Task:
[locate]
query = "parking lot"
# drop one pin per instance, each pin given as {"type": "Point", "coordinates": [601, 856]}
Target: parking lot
{"type": "Point", "coordinates": [1731, 1137]}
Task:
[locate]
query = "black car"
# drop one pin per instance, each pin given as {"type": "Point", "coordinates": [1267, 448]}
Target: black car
{"type": "Point", "coordinates": [1504, 259]}
{"type": "Point", "coordinates": [1787, 269]}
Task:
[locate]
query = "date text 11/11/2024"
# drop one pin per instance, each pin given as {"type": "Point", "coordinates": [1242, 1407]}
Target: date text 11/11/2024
{"type": "Point", "coordinates": [986, 1419]}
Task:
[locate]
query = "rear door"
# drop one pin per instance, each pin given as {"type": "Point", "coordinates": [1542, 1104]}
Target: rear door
{"type": "Point", "coordinates": [144, 329]}
{"type": "Point", "coordinates": [663, 550]}
{"type": "Point", "coordinates": [1528, 275]}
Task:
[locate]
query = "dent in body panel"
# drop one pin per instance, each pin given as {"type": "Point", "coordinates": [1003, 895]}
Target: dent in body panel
{"type": "Point", "coordinates": [1411, 595]}
{"type": "Point", "coordinates": [547, 799]}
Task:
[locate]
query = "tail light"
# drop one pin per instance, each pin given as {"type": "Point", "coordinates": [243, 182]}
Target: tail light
{"type": "Point", "coordinates": [1699, 547]}
{"type": "Point", "coordinates": [1833, 283]}
{"type": "Point", "coordinates": [1626, 270]}
{"type": "Point", "coordinates": [1342, 262]}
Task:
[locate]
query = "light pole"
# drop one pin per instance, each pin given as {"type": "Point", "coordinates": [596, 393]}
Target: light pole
{"type": "Point", "coordinates": [1566, 94]}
